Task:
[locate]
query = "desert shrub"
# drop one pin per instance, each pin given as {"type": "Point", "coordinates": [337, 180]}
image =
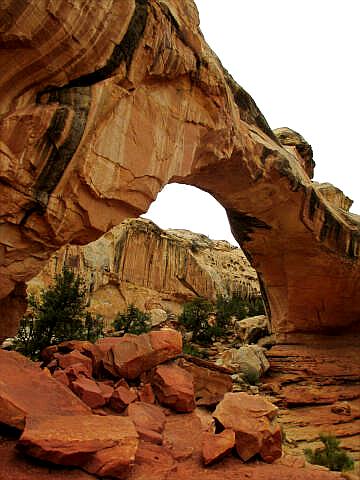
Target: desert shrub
{"type": "Point", "coordinates": [94, 327]}
{"type": "Point", "coordinates": [228, 306]}
{"type": "Point", "coordinates": [59, 314]}
{"type": "Point", "coordinates": [192, 350]}
{"type": "Point", "coordinates": [132, 321]}
{"type": "Point", "coordinates": [256, 307]}
{"type": "Point", "coordinates": [194, 317]}
{"type": "Point", "coordinates": [331, 455]}
{"type": "Point", "coordinates": [237, 305]}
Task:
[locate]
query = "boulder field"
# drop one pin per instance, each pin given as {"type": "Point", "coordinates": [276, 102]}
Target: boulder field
{"type": "Point", "coordinates": [102, 106]}
{"type": "Point", "coordinates": [127, 422]}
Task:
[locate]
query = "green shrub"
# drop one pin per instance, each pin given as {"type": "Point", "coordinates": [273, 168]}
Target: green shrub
{"type": "Point", "coordinates": [195, 318]}
{"type": "Point", "coordinates": [58, 315]}
{"type": "Point", "coordinates": [256, 307]}
{"type": "Point", "coordinates": [132, 321]}
{"type": "Point", "coordinates": [331, 456]}
{"type": "Point", "coordinates": [195, 315]}
{"type": "Point", "coordinates": [192, 350]}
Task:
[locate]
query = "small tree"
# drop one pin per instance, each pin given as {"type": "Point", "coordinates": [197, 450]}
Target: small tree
{"type": "Point", "coordinates": [132, 321]}
{"type": "Point", "coordinates": [59, 314]}
{"type": "Point", "coordinates": [195, 318]}
{"type": "Point", "coordinates": [331, 456]}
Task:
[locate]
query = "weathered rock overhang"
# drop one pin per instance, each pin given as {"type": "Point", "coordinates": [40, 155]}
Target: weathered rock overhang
{"type": "Point", "coordinates": [102, 106]}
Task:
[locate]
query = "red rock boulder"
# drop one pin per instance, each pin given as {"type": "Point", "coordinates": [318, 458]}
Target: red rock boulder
{"type": "Point", "coordinates": [122, 396]}
{"type": "Point", "coordinates": [252, 419]}
{"type": "Point", "coordinates": [210, 384]}
{"type": "Point", "coordinates": [131, 355]}
{"type": "Point", "coordinates": [174, 387]}
{"type": "Point", "coordinates": [86, 348]}
{"type": "Point", "coordinates": [88, 391]}
{"type": "Point", "coordinates": [104, 446]}
{"type": "Point", "coordinates": [216, 447]}
{"type": "Point", "coordinates": [70, 359]}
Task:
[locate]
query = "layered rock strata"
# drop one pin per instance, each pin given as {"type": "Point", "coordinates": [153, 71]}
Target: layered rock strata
{"type": "Point", "coordinates": [101, 106]}
{"type": "Point", "coordinates": [316, 384]}
{"type": "Point", "coordinates": [137, 262]}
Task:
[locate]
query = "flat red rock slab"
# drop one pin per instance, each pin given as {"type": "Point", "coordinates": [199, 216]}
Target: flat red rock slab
{"type": "Point", "coordinates": [149, 421]}
{"type": "Point", "coordinates": [15, 466]}
{"type": "Point", "coordinates": [152, 462]}
{"type": "Point", "coordinates": [105, 446]}
{"type": "Point", "coordinates": [27, 390]}
{"type": "Point", "coordinates": [232, 468]}
{"type": "Point", "coordinates": [183, 436]}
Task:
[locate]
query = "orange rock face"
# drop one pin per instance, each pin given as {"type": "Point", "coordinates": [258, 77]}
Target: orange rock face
{"type": "Point", "coordinates": [96, 125]}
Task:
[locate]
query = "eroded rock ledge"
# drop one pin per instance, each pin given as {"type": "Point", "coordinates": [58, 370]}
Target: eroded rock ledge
{"type": "Point", "coordinates": [101, 106]}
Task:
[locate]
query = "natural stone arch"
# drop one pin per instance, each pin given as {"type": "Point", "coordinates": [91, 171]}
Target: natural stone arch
{"type": "Point", "coordinates": [90, 133]}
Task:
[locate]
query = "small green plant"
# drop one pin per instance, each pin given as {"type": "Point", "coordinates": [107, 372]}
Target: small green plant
{"type": "Point", "coordinates": [192, 350]}
{"type": "Point", "coordinates": [58, 315]}
{"type": "Point", "coordinates": [331, 455]}
{"type": "Point", "coordinates": [195, 318]}
{"type": "Point", "coordinates": [132, 321]}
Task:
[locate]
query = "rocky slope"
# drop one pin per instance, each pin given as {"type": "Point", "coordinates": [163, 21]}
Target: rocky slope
{"type": "Point", "coordinates": [101, 106]}
{"type": "Point", "coordinates": [137, 262]}
{"type": "Point", "coordinates": [134, 407]}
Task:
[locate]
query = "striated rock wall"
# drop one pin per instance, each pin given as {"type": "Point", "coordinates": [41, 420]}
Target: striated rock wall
{"type": "Point", "coordinates": [103, 103]}
{"type": "Point", "coordinates": [137, 262]}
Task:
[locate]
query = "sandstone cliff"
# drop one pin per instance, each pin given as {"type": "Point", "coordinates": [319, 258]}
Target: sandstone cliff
{"type": "Point", "coordinates": [137, 262]}
{"type": "Point", "coordinates": [102, 105]}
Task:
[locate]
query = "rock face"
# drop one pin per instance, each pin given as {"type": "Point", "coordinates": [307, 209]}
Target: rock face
{"type": "Point", "coordinates": [316, 384]}
{"type": "Point", "coordinates": [137, 262]}
{"type": "Point", "coordinates": [93, 125]}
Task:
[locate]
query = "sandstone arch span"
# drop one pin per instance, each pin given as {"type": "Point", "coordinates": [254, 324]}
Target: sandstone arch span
{"type": "Point", "coordinates": [103, 104]}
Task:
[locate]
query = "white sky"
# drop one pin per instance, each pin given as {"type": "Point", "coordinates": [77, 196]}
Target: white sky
{"type": "Point", "coordinates": [299, 60]}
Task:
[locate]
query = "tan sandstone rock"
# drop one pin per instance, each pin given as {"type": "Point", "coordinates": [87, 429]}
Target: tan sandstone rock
{"type": "Point", "coordinates": [105, 446]}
